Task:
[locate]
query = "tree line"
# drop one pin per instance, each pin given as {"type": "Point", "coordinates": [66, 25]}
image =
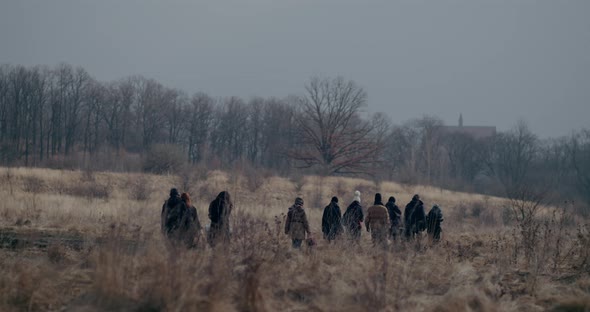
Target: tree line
{"type": "Point", "coordinates": [63, 115]}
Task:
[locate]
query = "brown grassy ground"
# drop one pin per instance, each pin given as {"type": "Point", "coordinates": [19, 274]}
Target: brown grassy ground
{"type": "Point", "coordinates": [83, 241]}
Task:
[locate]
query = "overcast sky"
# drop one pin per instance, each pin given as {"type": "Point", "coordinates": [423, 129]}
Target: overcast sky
{"type": "Point", "coordinates": [494, 61]}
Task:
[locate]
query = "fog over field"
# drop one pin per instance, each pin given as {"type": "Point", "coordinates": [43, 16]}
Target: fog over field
{"type": "Point", "coordinates": [493, 61]}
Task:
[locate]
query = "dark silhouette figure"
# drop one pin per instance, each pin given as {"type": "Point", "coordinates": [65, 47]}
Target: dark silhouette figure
{"type": "Point", "coordinates": [395, 217]}
{"type": "Point", "coordinates": [219, 213]}
{"type": "Point", "coordinates": [433, 221]}
{"type": "Point", "coordinates": [173, 213]}
{"type": "Point", "coordinates": [332, 220]}
{"type": "Point", "coordinates": [353, 217]}
{"type": "Point", "coordinates": [414, 217]}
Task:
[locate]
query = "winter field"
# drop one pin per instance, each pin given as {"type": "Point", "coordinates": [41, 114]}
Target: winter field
{"type": "Point", "coordinates": [89, 241]}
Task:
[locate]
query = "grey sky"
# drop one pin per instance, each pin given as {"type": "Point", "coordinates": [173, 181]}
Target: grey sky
{"type": "Point", "coordinates": [494, 61]}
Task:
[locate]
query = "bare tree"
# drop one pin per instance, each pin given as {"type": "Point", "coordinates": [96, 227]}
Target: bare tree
{"type": "Point", "coordinates": [399, 155]}
{"type": "Point", "coordinates": [580, 158]}
{"type": "Point", "coordinates": [331, 134]}
{"type": "Point", "coordinates": [151, 105]}
{"type": "Point", "coordinates": [176, 106]}
{"type": "Point", "coordinates": [96, 98]}
{"type": "Point", "coordinates": [198, 125]}
{"type": "Point", "coordinates": [466, 156]}
{"type": "Point", "coordinates": [511, 156]}
{"type": "Point", "coordinates": [277, 134]}
{"type": "Point", "coordinates": [116, 111]}
{"type": "Point", "coordinates": [254, 128]}
{"type": "Point", "coordinates": [229, 131]}
{"type": "Point", "coordinates": [428, 128]}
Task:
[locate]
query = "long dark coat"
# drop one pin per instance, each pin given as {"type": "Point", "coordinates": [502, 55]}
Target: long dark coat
{"type": "Point", "coordinates": [332, 221]}
{"type": "Point", "coordinates": [395, 217]}
{"type": "Point", "coordinates": [219, 213]}
{"type": "Point", "coordinates": [174, 212]}
{"type": "Point", "coordinates": [433, 221]}
{"type": "Point", "coordinates": [414, 217]}
{"type": "Point", "coordinates": [191, 226]}
{"type": "Point", "coordinates": [352, 219]}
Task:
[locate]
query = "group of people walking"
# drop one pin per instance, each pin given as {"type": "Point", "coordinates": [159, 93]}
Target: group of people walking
{"type": "Point", "coordinates": [382, 221]}
{"type": "Point", "coordinates": [180, 222]}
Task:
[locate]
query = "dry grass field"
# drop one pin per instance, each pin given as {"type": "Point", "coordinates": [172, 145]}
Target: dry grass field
{"type": "Point", "coordinates": [88, 241]}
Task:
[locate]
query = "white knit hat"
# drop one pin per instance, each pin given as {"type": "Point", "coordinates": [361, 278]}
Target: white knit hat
{"type": "Point", "coordinates": [357, 196]}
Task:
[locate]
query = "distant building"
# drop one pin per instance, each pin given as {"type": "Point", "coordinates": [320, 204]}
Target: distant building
{"type": "Point", "coordinates": [476, 132]}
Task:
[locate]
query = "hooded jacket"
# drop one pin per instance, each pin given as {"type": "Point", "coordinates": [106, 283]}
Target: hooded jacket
{"type": "Point", "coordinates": [332, 221]}
{"type": "Point", "coordinates": [296, 225]}
{"type": "Point", "coordinates": [395, 214]}
{"type": "Point", "coordinates": [414, 216]}
{"type": "Point", "coordinates": [433, 221]}
{"type": "Point", "coordinates": [173, 213]}
{"type": "Point", "coordinates": [220, 210]}
{"type": "Point", "coordinates": [353, 217]}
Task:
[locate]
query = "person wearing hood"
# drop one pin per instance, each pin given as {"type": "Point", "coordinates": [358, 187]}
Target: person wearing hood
{"type": "Point", "coordinates": [190, 224]}
{"type": "Point", "coordinates": [332, 220]}
{"type": "Point", "coordinates": [377, 222]}
{"type": "Point", "coordinates": [296, 225]}
{"type": "Point", "coordinates": [414, 217]}
{"type": "Point", "coordinates": [395, 215]}
{"type": "Point", "coordinates": [353, 217]}
{"type": "Point", "coordinates": [173, 212]}
{"type": "Point", "coordinates": [433, 221]}
{"type": "Point", "coordinates": [219, 213]}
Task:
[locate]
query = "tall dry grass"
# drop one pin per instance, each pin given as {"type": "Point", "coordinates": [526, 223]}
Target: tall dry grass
{"type": "Point", "coordinates": [103, 250]}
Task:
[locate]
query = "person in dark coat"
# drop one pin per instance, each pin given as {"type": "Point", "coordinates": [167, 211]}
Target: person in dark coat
{"type": "Point", "coordinates": [414, 217]}
{"type": "Point", "coordinates": [433, 221]}
{"type": "Point", "coordinates": [219, 213]}
{"type": "Point", "coordinates": [395, 216]}
{"type": "Point", "coordinates": [353, 217]}
{"type": "Point", "coordinates": [173, 212]}
{"type": "Point", "coordinates": [377, 222]}
{"type": "Point", "coordinates": [296, 225]}
{"type": "Point", "coordinates": [332, 220]}
{"type": "Point", "coordinates": [191, 224]}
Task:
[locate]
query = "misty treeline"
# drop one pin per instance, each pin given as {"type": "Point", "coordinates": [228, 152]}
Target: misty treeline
{"type": "Point", "coordinates": [62, 117]}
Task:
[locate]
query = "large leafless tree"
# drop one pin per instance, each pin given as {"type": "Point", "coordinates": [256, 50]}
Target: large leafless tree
{"type": "Point", "coordinates": [331, 134]}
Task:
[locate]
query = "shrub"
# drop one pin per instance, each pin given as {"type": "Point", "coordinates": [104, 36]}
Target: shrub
{"type": "Point", "coordinates": [33, 184]}
{"type": "Point", "coordinates": [507, 216]}
{"type": "Point", "coordinates": [90, 190]}
{"type": "Point", "coordinates": [7, 180]}
{"type": "Point", "coordinates": [138, 188]}
{"type": "Point", "coordinates": [488, 217]}
{"type": "Point", "coordinates": [255, 177]}
{"type": "Point", "coordinates": [164, 158]}
{"type": "Point", "coordinates": [477, 208]}
{"type": "Point", "coordinates": [298, 181]}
